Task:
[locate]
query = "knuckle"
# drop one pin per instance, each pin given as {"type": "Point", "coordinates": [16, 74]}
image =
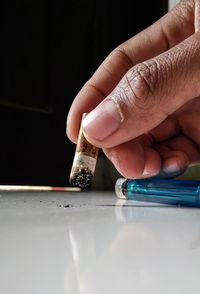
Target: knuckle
{"type": "Point", "coordinates": [143, 87]}
{"type": "Point", "coordinates": [183, 11]}
{"type": "Point", "coordinates": [143, 80]}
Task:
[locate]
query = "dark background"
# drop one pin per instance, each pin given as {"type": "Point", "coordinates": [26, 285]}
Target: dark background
{"type": "Point", "coordinates": [49, 50]}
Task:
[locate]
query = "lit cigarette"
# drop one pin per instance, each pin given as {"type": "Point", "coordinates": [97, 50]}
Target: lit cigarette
{"type": "Point", "coordinates": [37, 188]}
{"type": "Point", "coordinates": [84, 163]}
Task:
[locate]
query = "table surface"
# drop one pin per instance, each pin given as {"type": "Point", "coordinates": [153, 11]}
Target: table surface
{"type": "Point", "coordinates": [93, 243]}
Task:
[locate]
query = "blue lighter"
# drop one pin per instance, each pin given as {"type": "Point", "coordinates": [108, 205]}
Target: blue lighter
{"type": "Point", "coordinates": [176, 192]}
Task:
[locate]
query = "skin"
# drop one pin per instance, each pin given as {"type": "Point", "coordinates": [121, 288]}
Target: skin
{"type": "Point", "coordinates": [153, 78]}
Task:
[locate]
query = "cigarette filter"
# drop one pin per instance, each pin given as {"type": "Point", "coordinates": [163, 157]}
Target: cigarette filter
{"type": "Point", "coordinates": [84, 163]}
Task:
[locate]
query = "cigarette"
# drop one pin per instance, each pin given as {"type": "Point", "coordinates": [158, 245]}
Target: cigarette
{"type": "Point", "coordinates": [84, 163]}
{"type": "Point", "coordinates": [37, 188]}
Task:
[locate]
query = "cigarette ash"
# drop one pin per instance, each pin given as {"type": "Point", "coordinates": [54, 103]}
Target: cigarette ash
{"type": "Point", "coordinates": [64, 205]}
{"type": "Point", "coordinates": [82, 178]}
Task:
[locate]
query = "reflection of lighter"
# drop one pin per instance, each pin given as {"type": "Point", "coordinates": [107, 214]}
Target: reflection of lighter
{"type": "Point", "coordinates": [178, 192]}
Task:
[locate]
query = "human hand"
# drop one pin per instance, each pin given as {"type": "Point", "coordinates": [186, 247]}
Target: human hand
{"type": "Point", "coordinates": [143, 104]}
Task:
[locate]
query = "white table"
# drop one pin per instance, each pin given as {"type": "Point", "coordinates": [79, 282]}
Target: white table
{"type": "Point", "coordinates": [78, 243]}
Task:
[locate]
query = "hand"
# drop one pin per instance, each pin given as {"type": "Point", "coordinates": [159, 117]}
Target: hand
{"type": "Point", "coordinates": [142, 102]}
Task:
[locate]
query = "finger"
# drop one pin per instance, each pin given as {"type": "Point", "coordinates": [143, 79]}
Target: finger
{"type": "Point", "coordinates": [146, 95]}
{"type": "Point", "coordinates": [152, 163]}
{"type": "Point", "coordinates": [175, 164]}
{"type": "Point", "coordinates": [127, 158]}
{"type": "Point", "coordinates": [138, 159]}
{"type": "Point", "coordinates": [162, 35]}
{"type": "Point", "coordinates": [133, 160]}
{"type": "Point", "coordinates": [182, 144]}
{"type": "Point", "coordinates": [176, 154]}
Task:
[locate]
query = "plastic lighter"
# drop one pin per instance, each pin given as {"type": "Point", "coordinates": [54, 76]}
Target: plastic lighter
{"type": "Point", "coordinates": [176, 192]}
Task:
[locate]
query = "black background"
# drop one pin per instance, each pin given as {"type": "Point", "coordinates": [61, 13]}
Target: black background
{"type": "Point", "coordinates": [49, 50]}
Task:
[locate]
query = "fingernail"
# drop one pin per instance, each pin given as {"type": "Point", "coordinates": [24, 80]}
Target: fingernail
{"type": "Point", "coordinates": [171, 169]}
{"type": "Point", "coordinates": [103, 121]}
{"type": "Point", "coordinates": [146, 174]}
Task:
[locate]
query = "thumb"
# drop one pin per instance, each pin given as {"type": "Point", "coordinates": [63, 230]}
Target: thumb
{"type": "Point", "coordinates": [146, 95]}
